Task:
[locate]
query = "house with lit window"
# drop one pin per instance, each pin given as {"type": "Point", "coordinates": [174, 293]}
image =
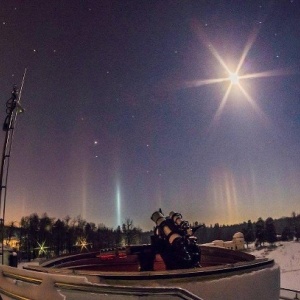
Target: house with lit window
{"type": "Point", "coordinates": [13, 242]}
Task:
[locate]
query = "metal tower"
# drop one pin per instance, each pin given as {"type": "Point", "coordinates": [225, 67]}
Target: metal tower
{"type": "Point", "coordinates": [13, 108]}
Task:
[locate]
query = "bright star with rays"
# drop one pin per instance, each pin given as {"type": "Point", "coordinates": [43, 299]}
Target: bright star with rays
{"type": "Point", "coordinates": [82, 243]}
{"type": "Point", "coordinates": [42, 248]}
{"type": "Point", "coordinates": [233, 78]}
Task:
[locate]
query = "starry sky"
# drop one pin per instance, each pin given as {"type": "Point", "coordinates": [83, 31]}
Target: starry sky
{"type": "Point", "coordinates": [130, 108]}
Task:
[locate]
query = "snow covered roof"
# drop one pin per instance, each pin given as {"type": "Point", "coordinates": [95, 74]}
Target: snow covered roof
{"type": "Point", "coordinates": [238, 235]}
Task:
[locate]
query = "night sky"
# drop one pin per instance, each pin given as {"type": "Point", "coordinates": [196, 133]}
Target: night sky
{"type": "Point", "coordinates": [129, 108]}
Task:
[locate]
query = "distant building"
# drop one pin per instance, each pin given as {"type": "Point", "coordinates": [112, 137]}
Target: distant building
{"type": "Point", "coordinates": [237, 243]}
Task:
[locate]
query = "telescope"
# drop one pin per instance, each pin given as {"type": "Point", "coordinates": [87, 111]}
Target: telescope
{"type": "Point", "coordinates": [173, 239]}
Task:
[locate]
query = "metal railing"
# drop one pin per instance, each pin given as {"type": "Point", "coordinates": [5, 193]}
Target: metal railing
{"type": "Point", "coordinates": [26, 285]}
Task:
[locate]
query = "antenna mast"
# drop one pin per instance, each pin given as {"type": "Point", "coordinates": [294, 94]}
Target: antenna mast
{"type": "Point", "coordinates": [13, 108]}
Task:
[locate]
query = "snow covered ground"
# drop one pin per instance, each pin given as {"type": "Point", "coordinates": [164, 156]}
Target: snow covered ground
{"type": "Point", "coordinates": [287, 256]}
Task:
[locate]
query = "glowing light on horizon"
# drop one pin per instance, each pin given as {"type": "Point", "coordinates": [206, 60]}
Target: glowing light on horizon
{"type": "Point", "coordinates": [118, 205]}
{"type": "Point", "coordinates": [42, 248]}
{"type": "Point", "coordinates": [82, 243]}
{"type": "Point", "coordinates": [225, 195]}
{"type": "Point", "coordinates": [84, 192]}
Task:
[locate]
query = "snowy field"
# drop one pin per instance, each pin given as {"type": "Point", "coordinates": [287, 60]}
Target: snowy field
{"type": "Point", "coordinates": [287, 256]}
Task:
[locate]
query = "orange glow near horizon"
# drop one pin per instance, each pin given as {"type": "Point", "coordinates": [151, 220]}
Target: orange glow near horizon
{"type": "Point", "coordinates": [225, 195]}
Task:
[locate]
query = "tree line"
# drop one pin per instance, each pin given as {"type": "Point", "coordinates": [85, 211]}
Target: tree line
{"type": "Point", "coordinates": [43, 235]}
{"type": "Point", "coordinates": [261, 231]}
